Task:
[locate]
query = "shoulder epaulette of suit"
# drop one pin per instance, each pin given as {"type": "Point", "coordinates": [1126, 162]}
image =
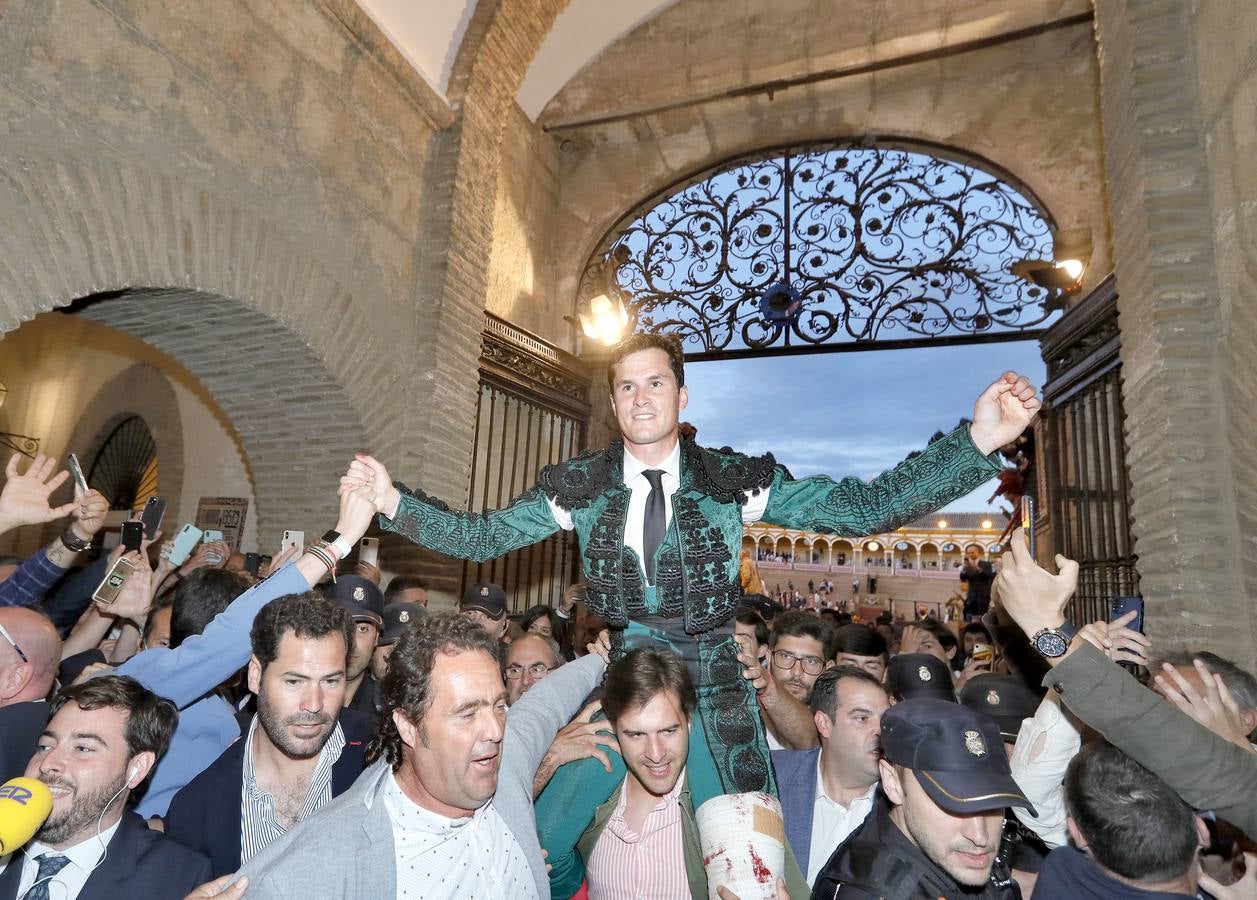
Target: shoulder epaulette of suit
{"type": "Point", "coordinates": [577, 482]}
{"type": "Point", "coordinates": [726, 475]}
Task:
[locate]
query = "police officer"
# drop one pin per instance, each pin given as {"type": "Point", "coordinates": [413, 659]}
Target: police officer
{"type": "Point", "coordinates": [911, 676]}
{"type": "Point", "coordinates": [946, 780]}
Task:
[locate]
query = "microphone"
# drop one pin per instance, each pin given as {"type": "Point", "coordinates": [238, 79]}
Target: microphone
{"type": "Point", "coordinates": [24, 805]}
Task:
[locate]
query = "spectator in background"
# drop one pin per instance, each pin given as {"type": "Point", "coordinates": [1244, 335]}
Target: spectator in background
{"type": "Point", "coordinates": [977, 575]}
{"type": "Point", "coordinates": [407, 589]}
{"type": "Point", "coordinates": [751, 631]}
{"type": "Point", "coordinates": [302, 748]}
{"type": "Point", "coordinates": [541, 620]}
{"type": "Point", "coordinates": [29, 653]}
{"type": "Point", "coordinates": [364, 602]}
{"type": "Point", "coordinates": [102, 742]}
{"type": "Point", "coordinates": [485, 603]}
{"type": "Point", "coordinates": [529, 659]}
{"type": "Point", "coordinates": [801, 647]}
{"type": "Point", "coordinates": [860, 646]}
{"type": "Point", "coordinates": [399, 616]}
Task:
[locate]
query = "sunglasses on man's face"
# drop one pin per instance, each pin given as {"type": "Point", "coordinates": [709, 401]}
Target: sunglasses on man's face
{"type": "Point", "coordinates": [12, 643]}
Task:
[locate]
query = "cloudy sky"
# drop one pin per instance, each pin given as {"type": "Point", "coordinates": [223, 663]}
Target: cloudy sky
{"type": "Point", "coordinates": [843, 414]}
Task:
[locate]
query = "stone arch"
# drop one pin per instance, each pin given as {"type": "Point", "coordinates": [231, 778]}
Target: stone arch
{"type": "Point", "coordinates": [227, 294]}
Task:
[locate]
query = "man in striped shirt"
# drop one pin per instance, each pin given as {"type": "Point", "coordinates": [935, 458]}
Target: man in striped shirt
{"type": "Point", "coordinates": [643, 842]}
{"type": "Point", "coordinates": [301, 749]}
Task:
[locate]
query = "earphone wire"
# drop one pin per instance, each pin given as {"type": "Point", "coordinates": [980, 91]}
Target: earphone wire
{"type": "Point", "coordinates": [104, 848]}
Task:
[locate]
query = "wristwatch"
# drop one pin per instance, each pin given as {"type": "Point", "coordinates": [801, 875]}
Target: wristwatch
{"type": "Point", "coordinates": [1054, 642]}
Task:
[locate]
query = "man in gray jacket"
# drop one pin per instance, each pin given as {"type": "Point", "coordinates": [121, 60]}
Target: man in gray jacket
{"type": "Point", "coordinates": [446, 810]}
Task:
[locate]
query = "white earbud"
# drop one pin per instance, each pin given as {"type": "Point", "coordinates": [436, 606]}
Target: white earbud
{"type": "Point", "coordinates": [131, 773]}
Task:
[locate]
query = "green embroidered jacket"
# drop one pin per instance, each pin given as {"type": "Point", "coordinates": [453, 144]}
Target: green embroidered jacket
{"type": "Point", "coordinates": [697, 566]}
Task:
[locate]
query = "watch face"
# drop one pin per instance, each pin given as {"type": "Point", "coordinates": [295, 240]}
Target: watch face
{"type": "Point", "coordinates": [1051, 644]}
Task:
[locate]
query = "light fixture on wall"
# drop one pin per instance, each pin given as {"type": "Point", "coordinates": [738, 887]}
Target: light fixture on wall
{"type": "Point", "coordinates": [604, 317]}
{"type": "Point", "coordinates": [24, 444]}
{"type": "Point", "coordinates": [1071, 251]}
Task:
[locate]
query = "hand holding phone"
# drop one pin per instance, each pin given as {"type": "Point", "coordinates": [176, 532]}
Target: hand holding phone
{"type": "Point", "coordinates": [184, 543]}
{"type": "Point", "coordinates": [80, 483]}
{"type": "Point", "coordinates": [132, 536]}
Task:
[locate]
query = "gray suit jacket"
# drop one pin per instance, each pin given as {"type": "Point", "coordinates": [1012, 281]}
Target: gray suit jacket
{"type": "Point", "coordinates": [346, 848]}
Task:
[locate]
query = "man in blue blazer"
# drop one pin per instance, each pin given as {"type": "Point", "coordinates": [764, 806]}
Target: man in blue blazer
{"type": "Point", "coordinates": [827, 792]}
{"type": "Point", "coordinates": [301, 737]}
{"type": "Point", "coordinates": [102, 742]}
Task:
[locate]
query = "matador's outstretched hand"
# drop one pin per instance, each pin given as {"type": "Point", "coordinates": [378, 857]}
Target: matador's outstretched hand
{"type": "Point", "coordinates": [1004, 411]}
{"type": "Point", "coordinates": [369, 472]}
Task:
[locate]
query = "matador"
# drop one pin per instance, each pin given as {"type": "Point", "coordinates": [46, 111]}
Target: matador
{"type": "Point", "coordinates": [659, 522]}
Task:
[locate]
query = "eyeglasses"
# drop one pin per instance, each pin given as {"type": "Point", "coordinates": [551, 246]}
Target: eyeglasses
{"type": "Point", "coordinates": [537, 670]}
{"type": "Point", "coordinates": [12, 643]}
{"type": "Point", "coordinates": [784, 659]}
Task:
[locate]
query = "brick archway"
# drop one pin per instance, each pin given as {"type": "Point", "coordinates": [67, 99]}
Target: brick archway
{"type": "Point", "coordinates": [230, 296]}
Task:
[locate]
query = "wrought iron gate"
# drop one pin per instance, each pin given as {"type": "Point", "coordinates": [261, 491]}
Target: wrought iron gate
{"type": "Point", "coordinates": [1085, 453]}
{"type": "Point", "coordinates": [532, 411]}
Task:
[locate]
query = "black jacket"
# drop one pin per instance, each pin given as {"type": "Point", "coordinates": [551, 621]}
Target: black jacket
{"type": "Point", "coordinates": [205, 814]}
{"type": "Point", "coordinates": [21, 724]}
{"type": "Point", "coordinates": [139, 863]}
{"type": "Point", "coordinates": [878, 862]}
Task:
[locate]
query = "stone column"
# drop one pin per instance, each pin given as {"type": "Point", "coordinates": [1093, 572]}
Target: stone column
{"type": "Point", "coordinates": [1177, 93]}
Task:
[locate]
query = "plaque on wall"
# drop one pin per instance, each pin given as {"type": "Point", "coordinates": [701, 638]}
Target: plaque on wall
{"type": "Point", "coordinates": [226, 514]}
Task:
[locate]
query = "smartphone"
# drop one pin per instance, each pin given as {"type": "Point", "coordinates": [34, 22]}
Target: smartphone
{"type": "Point", "coordinates": [1122, 605]}
{"type": "Point", "coordinates": [109, 588]}
{"type": "Point", "coordinates": [252, 563]}
{"type": "Point", "coordinates": [983, 653]}
{"type": "Point", "coordinates": [212, 535]}
{"type": "Point", "coordinates": [185, 542]}
{"type": "Point", "coordinates": [154, 511]}
{"type": "Point", "coordinates": [1027, 523]}
{"type": "Point", "coordinates": [80, 483]}
{"type": "Point", "coordinates": [369, 551]}
{"type": "Point", "coordinates": [132, 535]}
{"type": "Point", "coordinates": [293, 539]}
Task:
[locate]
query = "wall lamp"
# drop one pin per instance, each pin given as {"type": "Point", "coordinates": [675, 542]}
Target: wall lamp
{"type": "Point", "coordinates": [1071, 251]}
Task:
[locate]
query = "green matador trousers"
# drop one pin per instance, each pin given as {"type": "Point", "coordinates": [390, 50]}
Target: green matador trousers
{"type": "Point", "coordinates": [690, 607]}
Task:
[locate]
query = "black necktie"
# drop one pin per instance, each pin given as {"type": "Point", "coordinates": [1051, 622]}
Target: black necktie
{"type": "Point", "coordinates": [655, 522]}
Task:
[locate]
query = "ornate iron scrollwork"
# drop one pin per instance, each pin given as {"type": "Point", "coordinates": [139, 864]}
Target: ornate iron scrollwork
{"type": "Point", "coordinates": [829, 244]}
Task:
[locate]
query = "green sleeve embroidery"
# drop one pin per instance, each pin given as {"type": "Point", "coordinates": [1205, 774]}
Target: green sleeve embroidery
{"type": "Point", "coordinates": [477, 537]}
{"type": "Point", "coordinates": [949, 468]}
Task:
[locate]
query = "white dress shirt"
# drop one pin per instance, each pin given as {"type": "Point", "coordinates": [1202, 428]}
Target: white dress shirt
{"type": "Point", "coordinates": [639, 488]}
{"type": "Point", "coordinates": [832, 822]}
{"type": "Point", "coordinates": [473, 857]}
{"type": "Point", "coordinates": [1045, 745]}
{"type": "Point", "coordinates": [67, 883]}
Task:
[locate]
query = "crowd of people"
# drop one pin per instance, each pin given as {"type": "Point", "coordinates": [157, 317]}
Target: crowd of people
{"type": "Point", "coordinates": [316, 731]}
{"type": "Point", "coordinates": [209, 734]}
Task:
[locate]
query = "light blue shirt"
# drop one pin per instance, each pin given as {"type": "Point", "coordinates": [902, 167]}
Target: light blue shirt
{"type": "Point", "coordinates": [187, 676]}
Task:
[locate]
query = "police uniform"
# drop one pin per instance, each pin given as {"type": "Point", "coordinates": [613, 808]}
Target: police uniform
{"type": "Point", "coordinates": [958, 758]}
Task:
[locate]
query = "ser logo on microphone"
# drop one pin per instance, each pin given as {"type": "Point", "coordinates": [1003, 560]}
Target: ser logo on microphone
{"type": "Point", "coordinates": [16, 793]}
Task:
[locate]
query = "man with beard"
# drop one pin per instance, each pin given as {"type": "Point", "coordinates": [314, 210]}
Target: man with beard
{"type": "Point", "coordinates": [946, 777]}
{"type": "Point", "coordinates": [827, 793]}
{"type": "Point", "coordinates": [101, 743]}
{"type": "Point", "coordinates": [301, 750]}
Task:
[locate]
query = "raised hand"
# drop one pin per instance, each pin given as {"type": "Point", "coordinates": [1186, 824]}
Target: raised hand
{"type": "Point", "coordinates": [136, 597]}
{"type": "Point", "coordinates": [24, 499]}
{"type": "Point", "coordinates": [1215, 707]}
{"type": "Point", "coordinates": [89, 514]}
{"type": "Point", "coordinates": [357, 510]}
{"type": "Point", "coordinates": [368, 472]}
{"type": "Point", "coordinates": [1003, 411]}
{"type": "Point", "coordinates": [1032, 596]}
{"type": "Point", "coordinates": [1244, 888]}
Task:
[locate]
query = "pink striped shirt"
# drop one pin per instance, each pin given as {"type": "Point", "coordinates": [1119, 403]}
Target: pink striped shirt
{"type": "Point", "coordinates": [626, 865]}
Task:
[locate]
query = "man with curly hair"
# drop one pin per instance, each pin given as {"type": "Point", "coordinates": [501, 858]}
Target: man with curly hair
{"type": "Point", "coordinates": [446, 808]}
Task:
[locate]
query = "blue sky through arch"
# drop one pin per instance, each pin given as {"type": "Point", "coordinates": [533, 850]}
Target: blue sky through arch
{"type": "Point", "coordinates": [843, 414]}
